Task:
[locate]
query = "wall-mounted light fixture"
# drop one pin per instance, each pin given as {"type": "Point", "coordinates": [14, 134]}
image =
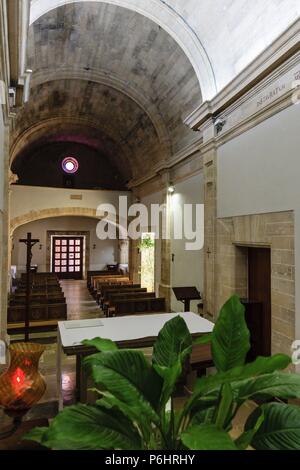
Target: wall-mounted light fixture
{"type": "Point", "coordinates": [171, 188]}
{"type": "Point", "coordinates": [219, 123]}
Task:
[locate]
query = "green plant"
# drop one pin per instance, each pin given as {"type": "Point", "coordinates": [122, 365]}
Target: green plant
{"type": "Point", "coordinates": [136, 409]}
{"type": "Point", "coordinates": [146, 243]}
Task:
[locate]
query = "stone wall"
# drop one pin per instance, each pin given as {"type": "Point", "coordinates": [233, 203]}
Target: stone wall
{"type": "Point", "coordinates": [274, 230]}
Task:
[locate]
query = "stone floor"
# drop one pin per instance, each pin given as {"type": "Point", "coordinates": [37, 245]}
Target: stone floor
{"type": "Point", "coordinates": [80, 305]}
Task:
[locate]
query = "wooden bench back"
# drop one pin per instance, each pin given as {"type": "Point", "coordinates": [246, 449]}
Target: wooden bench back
{"type": "Point", "coordinates": [48, 299]}
{"type": "Point", "coordinates": [123, 290]}
{"type": "Point", "coordinates": [90, 274]}
{"type": "Point", "coordinates": [107, 276]}
{"type": "Point", "coordinates": [109, 280]}
{"type": "Point", "coordinates": [101, 287]}
{"type": "Point", "coordinates": [105, 290]}
{"type": "Point", "coordinates": [136, 307]}
{"type": "Point", "coordinates": [130, 296]}
{"type": "Point", "coordinates": [39, 291]}
{"type": "Point", "coordinates": [37, 312]}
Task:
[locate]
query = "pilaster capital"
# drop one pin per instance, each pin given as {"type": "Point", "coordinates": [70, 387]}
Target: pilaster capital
{"type": "Point", "coordinates": [12, 178]}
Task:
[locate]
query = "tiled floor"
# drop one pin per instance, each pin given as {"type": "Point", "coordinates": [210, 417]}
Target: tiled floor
{"type": "Point", "coordinates": [80, 305]}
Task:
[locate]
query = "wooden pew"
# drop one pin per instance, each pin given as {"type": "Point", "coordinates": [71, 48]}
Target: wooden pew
{"type": "Point", "coordinates": [38, 312]}
{"type": "Point", "coordinates": [104, 276]}
{"type": "Point", "coordinates": [48, 299]}
{"type": "Point", "coordinates": [90, 274]}
{"type": "Point", "coordinates": [137, 307]}
{"type": "Point", "coordinates": [113, 298]}
{"type": "Point", "coordinates": [39, 276]}
{"type": "Point", "coordinates": [104, 280]}
{"type": "Point", "coordinates": [116, 288]}
{"type": "Point", "coordinates": [98, 292]}
{"type": "Point", "coordinates": [108, 279]}
{"type": "Point", "coordinates": [39, 291]}
{"type": "Point", "coordinates": [34, 326]}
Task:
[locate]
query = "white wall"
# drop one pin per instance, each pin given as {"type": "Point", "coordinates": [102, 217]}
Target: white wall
{"type": "Point", "coordinates": [187, 268]}
{"type": "Point", "coordinates": [25, 199]}
{"type": "Point", "coordinates": [259, 172]}
{"type": "Point", "coordinates": [106, 251]}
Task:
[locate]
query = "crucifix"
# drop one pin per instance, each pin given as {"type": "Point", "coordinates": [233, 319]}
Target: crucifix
{"type": "Point", "coordinates": [29, 242]}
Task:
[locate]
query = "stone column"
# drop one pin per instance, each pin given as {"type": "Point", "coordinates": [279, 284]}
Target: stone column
{"type": "Point", "coordinates": [135, 261]}
{"type": "Point", "coordinates": [209, 153]}
{"type": "Point", "coordinates": [4, 238]}
{"type": "Point", "coordinates": [123, 251]}
{"type": "Point", "coordinates": [165, 286]}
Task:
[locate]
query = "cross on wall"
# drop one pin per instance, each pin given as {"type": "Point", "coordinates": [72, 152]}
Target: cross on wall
{"type": "Point", "coordinates": [29, 242]}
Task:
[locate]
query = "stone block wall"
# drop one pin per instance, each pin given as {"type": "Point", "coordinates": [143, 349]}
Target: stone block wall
{"type": "Point", "coordinates": [274, 230]}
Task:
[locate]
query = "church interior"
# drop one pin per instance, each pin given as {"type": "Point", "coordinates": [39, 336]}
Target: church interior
{"type": "Point", "coordinates": [182, 332]}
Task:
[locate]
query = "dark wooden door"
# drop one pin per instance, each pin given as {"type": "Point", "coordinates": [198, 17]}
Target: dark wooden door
{"type": "Point", "coordinates": [67, 257]}
{"type": "Point", "coordinates": [258, 311]}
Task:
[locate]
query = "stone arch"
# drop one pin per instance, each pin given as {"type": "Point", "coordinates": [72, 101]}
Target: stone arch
{"type": "Point", "coordinates": [32, 216]}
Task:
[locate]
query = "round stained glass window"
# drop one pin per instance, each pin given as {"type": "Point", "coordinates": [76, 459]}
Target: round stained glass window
{"type": "Point", "coordinates": [70, 165]}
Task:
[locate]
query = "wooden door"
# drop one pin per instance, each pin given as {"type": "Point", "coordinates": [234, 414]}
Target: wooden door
{"type": "Point", "coordinates": [67, 257]}
{"type": "Point", "coordinates": [258, 313]}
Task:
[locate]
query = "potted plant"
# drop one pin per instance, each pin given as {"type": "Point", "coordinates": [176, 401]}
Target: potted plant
{"type": "Point", "coordinates": [135, 409]}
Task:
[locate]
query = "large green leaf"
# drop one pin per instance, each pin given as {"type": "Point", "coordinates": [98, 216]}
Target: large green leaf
{"type": "Point", "coordinates": [171, 349]}
{"type": "Point", "coordinates": [174, 342]}
{"type": "Point", "coordinates": [223, 413]}
{"type": "Point", "coordinates": [101, 344]}
{"type": "Point", "coordinates": [262, 365]}
{"type": "Point", "coordinates": [109, 402]}
{"type": "Point", "coordinates": [280, 429]}
{"type": "Point", "coordinates": [83, 427]}
{"type": "Point", "coordinates": [204, 415]}
{"type": "Point", "coordinates": [279, 384]}
{"type": "Point", "coordinates": [245, 439]}
{"type": "Point", "coordinates": [170, 377]}
{"type": "Point", "coordinates": [207, 388]}
{"type": "Point", "coordinates": [207, 437]}
{"type": "Point", "coordinates": [128, 377]}
{"type": "Point", "coordinates": [230, 339]}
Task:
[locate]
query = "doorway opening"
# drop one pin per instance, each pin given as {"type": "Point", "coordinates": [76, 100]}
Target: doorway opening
{"type": "Point", "coordinates": [258, 304]}
{"type": "Point", "coordinates": [147, 251]}
{"type": "Point", "coordinates": [67, 257]}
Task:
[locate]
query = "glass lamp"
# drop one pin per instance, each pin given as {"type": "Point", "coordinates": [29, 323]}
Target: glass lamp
{"type": "Point", "coordinates": [21, 385]}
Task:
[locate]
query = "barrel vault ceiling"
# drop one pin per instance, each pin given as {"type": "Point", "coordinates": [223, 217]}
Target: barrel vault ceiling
{"type": "Point", "coordinates": [115, 71]}
{"type": "Point", "coordinates": [122, 81]}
